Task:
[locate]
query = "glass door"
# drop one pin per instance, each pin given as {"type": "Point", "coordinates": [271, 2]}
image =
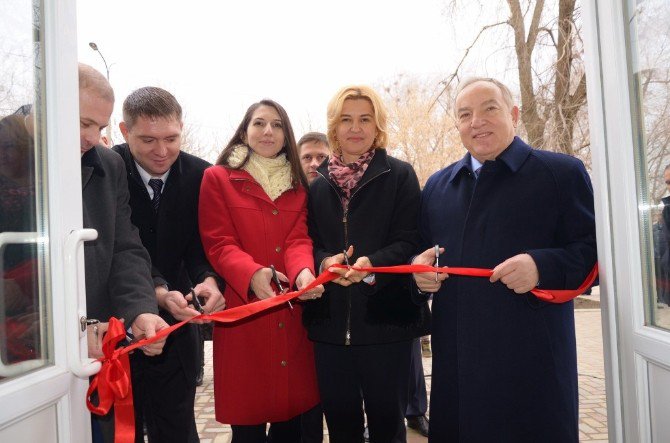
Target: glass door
{"type": "Point", "coordinates": [41, 278]}
{"type": "Point", "coordinates": [628, 72]}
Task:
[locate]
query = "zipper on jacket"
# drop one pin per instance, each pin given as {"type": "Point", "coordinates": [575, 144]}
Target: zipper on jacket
{"type": "Point", "coordinates": [345, 213]}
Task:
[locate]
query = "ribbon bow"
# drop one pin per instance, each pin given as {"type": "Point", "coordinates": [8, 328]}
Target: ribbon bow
{"type": "Point", "coordinates": [113, 384]}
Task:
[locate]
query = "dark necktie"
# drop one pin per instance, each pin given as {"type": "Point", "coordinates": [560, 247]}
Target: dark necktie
{"type": "Point", "coordinates": [156, 185]}
{"type": "Point", "coordinates": [477, 171]}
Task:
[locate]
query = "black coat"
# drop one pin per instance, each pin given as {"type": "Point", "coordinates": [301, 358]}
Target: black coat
{"type": "Point", "coordinates": [505, 365]}
{"type": "Point", "coordinates": [173, 240]}
{"type": "Point", "coordinates": [381, 224]}
{"type": "Point", "coordinates": [118, 268]}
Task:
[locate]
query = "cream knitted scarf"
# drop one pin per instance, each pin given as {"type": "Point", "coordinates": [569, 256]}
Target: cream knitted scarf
{"type": "Point", "coordinates": [273, 174]}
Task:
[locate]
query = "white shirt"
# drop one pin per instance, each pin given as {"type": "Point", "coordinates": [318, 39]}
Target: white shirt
{"type": "Point", "coordinates": [146, 177]}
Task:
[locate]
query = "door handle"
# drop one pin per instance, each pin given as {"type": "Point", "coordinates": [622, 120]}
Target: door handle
{"type": "Point", "coordinates": [14, 369]}
{"type": "Point", "coordinates": [81, 367]}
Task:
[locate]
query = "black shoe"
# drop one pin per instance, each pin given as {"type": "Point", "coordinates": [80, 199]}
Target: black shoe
{"type": "Point", "coordinates": [419, 423]}
{"type": "Point", "coordinates": [199, 377]}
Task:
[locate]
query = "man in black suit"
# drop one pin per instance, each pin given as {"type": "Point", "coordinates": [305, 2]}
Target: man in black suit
{"type": "Point", "coordinates": [164, 185]}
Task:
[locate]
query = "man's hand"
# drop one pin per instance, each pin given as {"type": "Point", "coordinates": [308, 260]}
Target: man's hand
{"type": "Point", "coordinates": [146, 325]}
{"type": "Point", "coordinates": [209, 290]}
{"type": "Point", "coordinates": [94, 334]}
{"type": "Point", "coordinates": [518, 273]}
{"type": "Point", "coordinates": [305, 278]}
{"type": "Point", "coordinates": [338, 259]}
{"type": "Point", "coordinates": [428, 281]}
{"type": "Point", "coordinates": [260, 283]}
{"type": "Point", "coordinates": [175, 303]}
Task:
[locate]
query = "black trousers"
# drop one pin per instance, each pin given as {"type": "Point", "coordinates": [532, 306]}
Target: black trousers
{"type": "Point", "coordinates": [311, 425]}
{"type": "Point", "coordinates": [418, 397]}
{"type": "Point", "coordinates": [164, 397]}
{"type": "Point", "coordinates": [280, 432]}
{"type": "Point", "coordinates": [376, 374]}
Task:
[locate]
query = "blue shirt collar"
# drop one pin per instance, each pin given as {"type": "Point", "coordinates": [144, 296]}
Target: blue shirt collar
{"type": "Point", "coordinates": [513, 156]}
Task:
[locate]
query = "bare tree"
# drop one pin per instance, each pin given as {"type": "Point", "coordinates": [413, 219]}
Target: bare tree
{"type": "Point", "coordinates": [205, 148]}
{"type": "Point", "coordinates": [547, 48]}
{"type": "Point", "coordinates": [650, 45]}
{"type": "Point", "coordinates": [420, 133]}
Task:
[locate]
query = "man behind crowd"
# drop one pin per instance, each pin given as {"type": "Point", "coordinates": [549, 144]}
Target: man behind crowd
{"type": "Point", "coordinates": [313, 148]}
{"type": "Point", "coordinates": [118, 269]}
{"type": "Point", "coordinates": [504, 362]}
{"type": "Point", "coordinates": [164, 186]}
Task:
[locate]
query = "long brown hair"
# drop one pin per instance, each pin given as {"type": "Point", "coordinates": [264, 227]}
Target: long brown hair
{"type": "Point", "coordinates": [297, 174]}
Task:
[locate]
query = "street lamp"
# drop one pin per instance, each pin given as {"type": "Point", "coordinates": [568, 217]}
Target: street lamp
{"type": "Point", "coordinates": [96, 49]}
{"type": "Point", "coordinates": [109, 126]}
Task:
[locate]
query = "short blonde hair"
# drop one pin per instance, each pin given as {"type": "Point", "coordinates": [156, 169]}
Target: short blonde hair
{"type": "Point", "coordinates": [357, 93]}
{"type": "Point", "coordinates": [92, 80]}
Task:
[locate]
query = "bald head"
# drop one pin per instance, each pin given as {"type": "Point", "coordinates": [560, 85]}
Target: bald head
{"type": "Point", "coordinates": [93, 81]}
{"type": "Point", "coordinates": [96, 101]}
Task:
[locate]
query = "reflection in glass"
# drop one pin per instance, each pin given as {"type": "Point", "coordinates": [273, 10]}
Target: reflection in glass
{"type": "Point", "coordinates": [24, 343]}
{"type": "Point", "coordinates": [650, 70]}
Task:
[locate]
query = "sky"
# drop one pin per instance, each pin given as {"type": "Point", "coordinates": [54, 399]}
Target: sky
{"type": "Point", "coordinates": [217, 58]}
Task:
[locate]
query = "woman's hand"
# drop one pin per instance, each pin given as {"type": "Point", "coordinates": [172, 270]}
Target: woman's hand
{"type": "Point", "coordinates": [339, 259]}
{"type": "Point", "coordinates": [355, 276]}
{"type": "Point", "coordinates": [260, 283]}
{"type": "Point", "coordinates": [305, 278]}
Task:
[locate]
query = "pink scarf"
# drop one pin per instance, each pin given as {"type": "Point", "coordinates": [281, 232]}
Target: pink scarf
{"type": "Point", "coordinates": [347, 175]}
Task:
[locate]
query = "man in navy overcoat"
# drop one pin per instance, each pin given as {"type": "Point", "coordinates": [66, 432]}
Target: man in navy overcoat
{"type": "Point", "coordinates": [504, 362]}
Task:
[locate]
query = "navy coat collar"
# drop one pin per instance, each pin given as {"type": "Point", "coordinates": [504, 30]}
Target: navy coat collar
{"type": "Point", "coordinates": [513, 157]}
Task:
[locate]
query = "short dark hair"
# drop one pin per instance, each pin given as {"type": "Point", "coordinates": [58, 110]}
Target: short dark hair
{"type": "Point", "coordinates": [290, 148]}
{"type": "Point", "coordinates": [313, 137]}
{"type": "Point", "coordinates": [151, 102]}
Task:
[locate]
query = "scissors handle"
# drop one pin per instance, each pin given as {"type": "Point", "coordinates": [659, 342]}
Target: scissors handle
{"type": "Point", "coordinates": [346, 258]}
{"type": "Point", "coordinates": [275, 277]}
{"type": "Point", "coordinates": [196, 302]}
{"type": "Point", "coordinates": [437, 260]}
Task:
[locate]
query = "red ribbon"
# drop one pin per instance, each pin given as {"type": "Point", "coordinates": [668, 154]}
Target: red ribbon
{"type": "Point", "coordinates": [548, 295]}
{"type": "Point", "coordinates": [113, 381]}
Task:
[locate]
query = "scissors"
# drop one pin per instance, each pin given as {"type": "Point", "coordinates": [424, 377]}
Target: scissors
{"type": "Point", "coordinates": [346, 258]}
{"type": "Point", "coordinates": [437, 259]}
{"type": "Point", "coordinates": [275, 278]}
{"type": "Point", "coordinates": [196, 302]}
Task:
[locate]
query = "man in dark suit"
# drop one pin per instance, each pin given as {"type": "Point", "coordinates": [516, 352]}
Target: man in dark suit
{"type": "Point", "coordinates": [164, 185]}
{"type": "Point", "coordinates": [118, 270]}
{"type": "Point", "coordinates": [504, 362]}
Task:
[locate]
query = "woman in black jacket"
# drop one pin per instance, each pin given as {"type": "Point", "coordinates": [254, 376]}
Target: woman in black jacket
{"type": "Point", "coordinates": [365, 202]}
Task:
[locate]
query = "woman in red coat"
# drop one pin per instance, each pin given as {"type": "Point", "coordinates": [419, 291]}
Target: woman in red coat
{"type": "Point", "coordinates": [253, 216]}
